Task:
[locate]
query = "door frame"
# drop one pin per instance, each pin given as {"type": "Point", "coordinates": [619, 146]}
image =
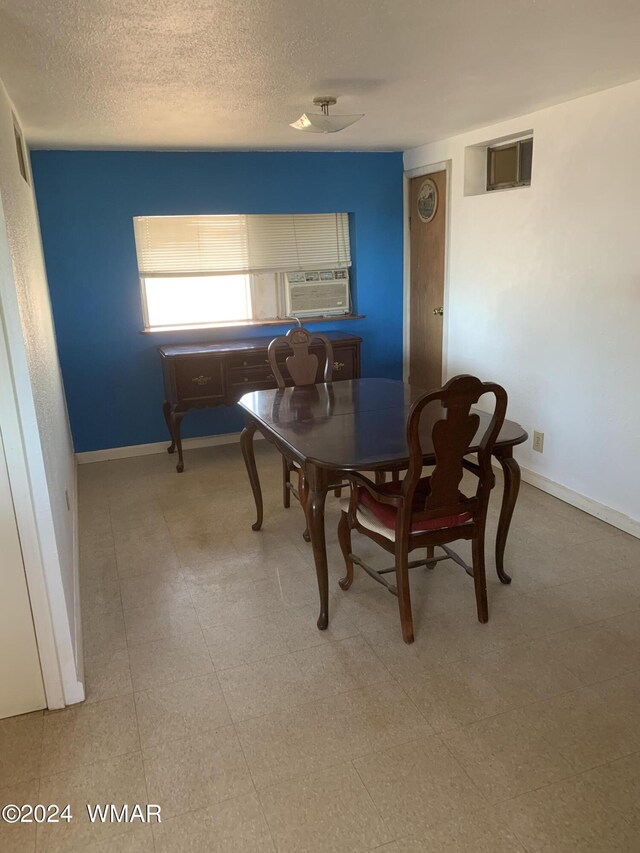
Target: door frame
{"type": "Point", "coordinates": [409, 174]}
{"type": "Point", "coordinates": [60, 653]}
{"type": "Point", "coordinates": [19, 483]}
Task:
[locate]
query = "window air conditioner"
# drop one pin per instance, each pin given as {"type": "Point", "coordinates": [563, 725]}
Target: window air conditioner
{"type": "Point", "coordinates": [317, 292]}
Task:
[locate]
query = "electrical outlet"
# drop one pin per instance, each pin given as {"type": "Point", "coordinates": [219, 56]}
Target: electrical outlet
{"type": "Point", "coordinates": [66, 497]}
{"type": "Point", "coordinates": [538, 441]}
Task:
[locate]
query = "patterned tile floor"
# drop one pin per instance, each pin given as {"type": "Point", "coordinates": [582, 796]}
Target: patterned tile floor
{"type": "Point", "coordinates": [212, 693]}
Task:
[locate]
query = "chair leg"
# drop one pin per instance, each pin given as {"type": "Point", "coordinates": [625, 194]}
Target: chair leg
{"type": "Point", "coordinates": [404, 595]}
{"type": "Point", "coordinates": [479, 578]}
{"type": "Point", "coordinates": [344, 537]}
{"type": "Point", "coordinates": [303, 494]}
{"type": "Point", "coordinates": [286, 480]}
{"type": "Point", "coordinates": [430, 550]}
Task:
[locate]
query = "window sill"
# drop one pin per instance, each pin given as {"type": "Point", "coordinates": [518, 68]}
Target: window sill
{"type": "Point", "coordinates": [496, 188]}
{"type": "Point", "coordinates": [252, 324]}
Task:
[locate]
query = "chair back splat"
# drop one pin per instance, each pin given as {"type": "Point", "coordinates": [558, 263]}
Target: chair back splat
{"type": "Point", "coordinates": [302, 365]}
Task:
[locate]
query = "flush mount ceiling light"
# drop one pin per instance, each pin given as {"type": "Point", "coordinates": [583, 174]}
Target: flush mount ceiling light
{"type": "Point", "coordinates": [323, 122]}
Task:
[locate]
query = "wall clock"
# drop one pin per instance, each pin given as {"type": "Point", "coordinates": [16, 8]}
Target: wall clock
{"type": "Point", "coordinates": [427, 200]}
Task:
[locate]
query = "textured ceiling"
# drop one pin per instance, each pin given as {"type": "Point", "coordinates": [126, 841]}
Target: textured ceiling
{"type": "Point", "coordinates": [226, 74]}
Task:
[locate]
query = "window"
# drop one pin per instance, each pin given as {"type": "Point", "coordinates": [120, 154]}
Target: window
{"type": "Point", "coordinates": [509, 165]}
{"type": "Point", "coordinates": [210, 299]}
{"type": "Point", "coordinates": [199, 271]}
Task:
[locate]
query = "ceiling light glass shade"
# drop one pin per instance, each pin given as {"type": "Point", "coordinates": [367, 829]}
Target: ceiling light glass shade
{"type": "Point", "coordinates": [321, 123]}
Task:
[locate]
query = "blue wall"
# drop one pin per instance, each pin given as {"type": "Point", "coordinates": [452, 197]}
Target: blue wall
{"type": "Point", "coordinates": [86, 201]}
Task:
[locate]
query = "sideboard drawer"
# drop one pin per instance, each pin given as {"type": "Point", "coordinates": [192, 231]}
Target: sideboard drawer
{"type": "Point", "coordinates": [244, 360]}
{"type": "Point", "coordinates": [248, 359]}
{"type": "Point", "coordinates": [345, 364]}
{"type": "Point", "coordinates": [251, 378]}
{"type": "Point", "coordinates": [200, 378]}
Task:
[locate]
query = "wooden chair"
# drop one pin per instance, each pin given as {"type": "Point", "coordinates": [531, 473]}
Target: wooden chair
{"type": "Point", "coordinates": [302, 367]}
{"type": "Point", "coordinates": [425, 512]}
{"type": "Point", "coordinates": [301, 364]}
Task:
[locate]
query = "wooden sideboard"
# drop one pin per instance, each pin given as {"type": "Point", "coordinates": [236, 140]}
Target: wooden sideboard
{"type": "Point", "coordinates": [201, 375]}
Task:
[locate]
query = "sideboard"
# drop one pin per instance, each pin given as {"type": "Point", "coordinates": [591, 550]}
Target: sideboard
{"type": "Point", "coordinates": [197, 376]}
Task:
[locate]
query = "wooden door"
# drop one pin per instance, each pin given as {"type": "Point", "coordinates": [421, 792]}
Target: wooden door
{"type": "Point", "coordinates": [426, 296]}
{"type": "Point", "coordinates": [21, 687]}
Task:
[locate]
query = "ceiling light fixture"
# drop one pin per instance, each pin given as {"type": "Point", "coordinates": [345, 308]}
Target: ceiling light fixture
{"type": "Point", "coordinates": [323, 122]}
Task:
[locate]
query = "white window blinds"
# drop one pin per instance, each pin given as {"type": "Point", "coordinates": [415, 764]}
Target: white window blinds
{"type": "Point", "coordinates": [223, 245]}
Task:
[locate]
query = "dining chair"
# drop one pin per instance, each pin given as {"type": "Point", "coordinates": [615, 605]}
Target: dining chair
{"type": "Point", "coordinates": [429, 512]}
{"type": "Point", "coordinates": [302, 367]}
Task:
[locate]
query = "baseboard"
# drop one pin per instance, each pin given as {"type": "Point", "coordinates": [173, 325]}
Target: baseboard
{"type": "Point", "coordinates": [605, 513]}
{"type": "Point", "coordinates": [88, 456]}
{"type": "Point", "coordinates": [74, 693]}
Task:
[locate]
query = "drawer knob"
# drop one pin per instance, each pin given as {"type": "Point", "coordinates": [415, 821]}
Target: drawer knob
{"type": "Point", "coordinates": [201, 380]}
{"type": "Point", "coordinates": [338, 365]}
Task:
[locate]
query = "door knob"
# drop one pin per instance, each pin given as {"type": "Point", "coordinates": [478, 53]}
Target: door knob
{"type": "Point", "coordinates": [438, 311]}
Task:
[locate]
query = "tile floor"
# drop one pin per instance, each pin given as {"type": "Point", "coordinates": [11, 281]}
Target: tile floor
{"type": "Point", "coordinates": [211, 692]}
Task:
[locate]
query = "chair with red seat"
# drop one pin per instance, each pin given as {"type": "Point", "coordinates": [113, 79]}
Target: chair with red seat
{"type": "Point", "coordinates": [429, 512]}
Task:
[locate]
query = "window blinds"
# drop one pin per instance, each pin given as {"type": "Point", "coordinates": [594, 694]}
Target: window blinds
{"type": "Point", "coordinates": [222, 245]}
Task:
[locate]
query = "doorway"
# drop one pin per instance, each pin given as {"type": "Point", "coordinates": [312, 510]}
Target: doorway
{"type": "Point", "coordinates": [427, 239]}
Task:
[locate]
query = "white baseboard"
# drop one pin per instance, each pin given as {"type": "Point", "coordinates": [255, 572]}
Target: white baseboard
{"type": "Point", "coordinates": [88, 456]}
{"type": "Point", "coordinates": [606, 513]}
{"type": "Point", "coordinates": [74, 693]}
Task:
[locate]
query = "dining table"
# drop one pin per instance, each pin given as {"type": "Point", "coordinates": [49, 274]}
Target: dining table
{"type": "Point", "coordinates": [357, 425]}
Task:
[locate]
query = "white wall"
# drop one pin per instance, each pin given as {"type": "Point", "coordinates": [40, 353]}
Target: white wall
{"type": "Point", "coordinates": [544, 291]}
{"type": "Point", "coordinates": [44, 435]}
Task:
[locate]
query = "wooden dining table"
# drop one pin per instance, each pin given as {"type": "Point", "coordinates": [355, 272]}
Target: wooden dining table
{"type": "Point", "coordinates": [357, 425]}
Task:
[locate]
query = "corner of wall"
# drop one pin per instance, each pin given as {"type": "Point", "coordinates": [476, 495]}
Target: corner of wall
{"type": "Point", "coordinates": [43, 465]}
{"type": "Point", "coordinates": [77, 639]}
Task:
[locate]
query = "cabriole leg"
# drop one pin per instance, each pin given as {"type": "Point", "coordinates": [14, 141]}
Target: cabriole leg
{"type": "Point", "coordinates": [246, 445]}
{"type": "Point", "coordinates": [511, 471]}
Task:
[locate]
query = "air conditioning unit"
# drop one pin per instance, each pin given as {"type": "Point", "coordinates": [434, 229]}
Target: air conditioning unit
{"type": "Point", "coordinates": [317, 293]}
